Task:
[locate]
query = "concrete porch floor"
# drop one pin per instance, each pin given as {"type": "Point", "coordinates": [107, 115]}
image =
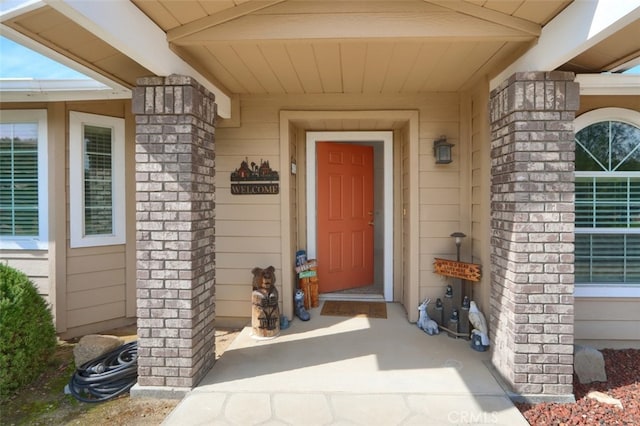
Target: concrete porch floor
{"type": "Point", "coordinates": [347, 371]}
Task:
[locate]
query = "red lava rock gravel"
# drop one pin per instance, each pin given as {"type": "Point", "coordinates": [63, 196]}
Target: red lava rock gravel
{"type": "Point", "coordinates": [623, 383]}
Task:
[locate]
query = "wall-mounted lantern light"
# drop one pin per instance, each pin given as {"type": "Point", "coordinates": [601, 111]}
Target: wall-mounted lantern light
{"type": "Point", "coordinates": [442, 150]}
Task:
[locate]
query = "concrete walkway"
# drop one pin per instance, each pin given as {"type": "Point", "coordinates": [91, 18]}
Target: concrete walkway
{"type": "Point", "coordinates": [348, 371]}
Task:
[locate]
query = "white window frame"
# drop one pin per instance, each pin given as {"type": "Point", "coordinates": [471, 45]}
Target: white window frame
{"type": "Point", "coordinates": [40, 241]}
{"type": "Point", "coordinates": [77, 121]}
{"type": "Point", "coordinates": [584, 120]}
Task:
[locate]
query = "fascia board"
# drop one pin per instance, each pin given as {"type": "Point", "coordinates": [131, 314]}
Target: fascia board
{"type": "Point", "coordinates": [21, 84]}
{"type": "Point", "coordinates": [31, 90]}
{"type": "Point", "coordinates": [609, 84]}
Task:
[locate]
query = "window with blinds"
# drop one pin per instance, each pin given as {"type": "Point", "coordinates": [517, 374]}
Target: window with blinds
{"type": "Point", "coordinates": [607, 203]}
{"type": "Point", "coordinates": [19, 179]}
{"type": "Point", "coordinates": [96, 180]}
{"type": "Point", "coordinates": [24, 199]}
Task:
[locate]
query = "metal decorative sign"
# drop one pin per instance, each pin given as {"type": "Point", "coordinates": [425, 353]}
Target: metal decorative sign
{"type": "Point", "coordinates": [254, 179]}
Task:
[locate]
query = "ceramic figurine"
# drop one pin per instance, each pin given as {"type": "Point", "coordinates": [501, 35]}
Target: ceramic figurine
{"type": "Point", "coordinates": [301, 312]}
{"type": "Point", "coordinates": [425, 323]}
{"type": "Point", "coordinates": [477, 319]}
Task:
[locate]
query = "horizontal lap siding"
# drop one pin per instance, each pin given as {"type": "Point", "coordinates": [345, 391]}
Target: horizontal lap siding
{"type": "Point", "coordinates": [607, 319]}
{"type": "Point", "coordinates": [33, 263]}
{"type": "Point", "coordinates": [248, 227]}
{"type": "Point", "coordinates": [95, 285]}
{"type": "Point", "coordinates": [439, 190]}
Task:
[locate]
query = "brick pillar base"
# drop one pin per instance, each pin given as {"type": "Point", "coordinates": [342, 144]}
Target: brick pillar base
{"type": "Point", "coordinates": [532, 232]}
{"type": "Point", "coordinates": [175, 232]}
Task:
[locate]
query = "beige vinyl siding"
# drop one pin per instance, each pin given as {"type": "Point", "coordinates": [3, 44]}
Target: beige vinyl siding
{"type": "Point", "coordinates": [608, 323]}
{"type": "Point", "coordinates": [95, 285]}
{"type": "Point", "coordinates": [588, 103]}
{"type": "Point", "coordinates": [248, 227]}
{"type": "Point", "coordinates": [33, 263]}
{"type": "Point", "coordinates": [439, 190]}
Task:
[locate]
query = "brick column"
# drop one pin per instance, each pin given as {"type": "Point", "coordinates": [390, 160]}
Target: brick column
{"type": "Point", "coordinates": [175, 232]}
{"type": "Point", "coordinates": [532, 232]}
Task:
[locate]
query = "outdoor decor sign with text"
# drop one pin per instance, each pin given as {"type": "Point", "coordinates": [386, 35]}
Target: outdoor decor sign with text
{"type": "Point", "coordinates": [255, 179]}
{"type": "Point", "coordinates": [455, 269]}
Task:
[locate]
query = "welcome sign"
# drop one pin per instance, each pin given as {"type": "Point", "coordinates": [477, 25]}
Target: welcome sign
{"type": "Point", "coordinates": [255, 179]}
{"type": "Point", "coordinates": [254, 188]}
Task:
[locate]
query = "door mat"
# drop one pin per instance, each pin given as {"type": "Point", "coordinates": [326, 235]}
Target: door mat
{"type": "Point", "coordinates": [350, 308]}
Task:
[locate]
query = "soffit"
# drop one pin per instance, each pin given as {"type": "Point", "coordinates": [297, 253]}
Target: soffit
{"type": "Point", "coordinates": [57, 32]}
{"type": "Point", "coordinates": [306, 46]}
{"type": "Point", "coordinates": [610, 54]}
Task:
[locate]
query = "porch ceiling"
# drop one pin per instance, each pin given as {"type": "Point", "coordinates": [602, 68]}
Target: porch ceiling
{"type": "Point", "coordinates": [354, 47]}
{"type": "Point", "coordinates": [293, 46]}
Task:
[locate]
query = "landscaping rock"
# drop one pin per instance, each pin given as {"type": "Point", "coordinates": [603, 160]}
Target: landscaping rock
{"type": "Point", "coordinates": [623, 379]}
{"type": "Point", "coordinates": [604, 398]}
{"type": "Point", "coordinates": [92, 346]}
{"type": "Point", "coordinates": [588, 364]}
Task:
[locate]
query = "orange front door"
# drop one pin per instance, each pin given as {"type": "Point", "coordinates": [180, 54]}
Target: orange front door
{"type": "Point", "coordinates": [345, 216]}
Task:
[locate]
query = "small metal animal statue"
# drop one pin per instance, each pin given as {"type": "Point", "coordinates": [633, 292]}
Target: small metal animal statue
{"type": "Point", "coordinates": [425, 323]}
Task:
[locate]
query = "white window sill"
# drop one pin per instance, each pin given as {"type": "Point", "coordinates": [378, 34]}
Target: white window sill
{"type": "Point", "coordinates": [606, 291]}
{"type": "Point", "coordinates": [26, 244]}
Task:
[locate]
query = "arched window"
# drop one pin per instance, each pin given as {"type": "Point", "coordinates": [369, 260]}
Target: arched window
{"type": "Point", "coordinates": [607, 179]}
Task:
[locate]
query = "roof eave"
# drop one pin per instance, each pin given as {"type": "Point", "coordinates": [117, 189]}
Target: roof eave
{"type": "Point", "coordinates": [126, 28]}
{"type": "Point", "coordinates": [577, 28]}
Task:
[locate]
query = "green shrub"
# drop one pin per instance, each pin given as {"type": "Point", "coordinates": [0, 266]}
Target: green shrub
{"type": "Point", "coordinates": [27, 335]}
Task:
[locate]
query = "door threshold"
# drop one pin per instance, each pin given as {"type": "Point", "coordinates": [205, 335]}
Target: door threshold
{"type": "Point", "coordinates": [354, 297]}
